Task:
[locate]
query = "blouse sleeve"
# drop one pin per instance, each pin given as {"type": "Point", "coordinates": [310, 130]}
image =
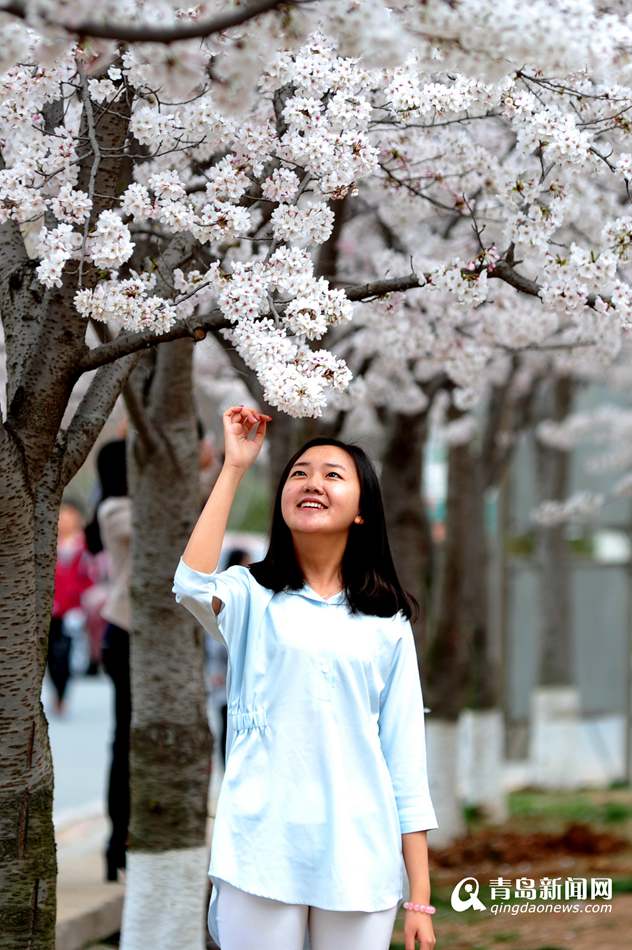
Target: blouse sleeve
{"type": "Point", "coordinates": [195, 591]}
{"type": "Point", "coordinates": [402, 736]}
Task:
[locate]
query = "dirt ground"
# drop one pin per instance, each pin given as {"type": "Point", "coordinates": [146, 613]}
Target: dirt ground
{"type": "Point", "coordinates": [538, 931]}
{"type": "Point", "coordinates": [575, 849]}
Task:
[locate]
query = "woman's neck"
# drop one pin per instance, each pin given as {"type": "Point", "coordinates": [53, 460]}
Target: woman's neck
{"type": "Point", "coordinates": [320, 559]}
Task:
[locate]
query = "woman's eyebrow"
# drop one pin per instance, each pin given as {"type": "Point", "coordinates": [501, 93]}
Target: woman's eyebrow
{"type": "Point", "coordinates": [325, 465]}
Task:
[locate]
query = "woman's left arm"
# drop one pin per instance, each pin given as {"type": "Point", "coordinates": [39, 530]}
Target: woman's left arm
{"type": "Point", "coordinates": [417, 924]}
{"type": "Point", "coordinates": [415, 851]}
{"type": "Point", "coordinates": [401, 729]}
{"type": "Point", "coordinates": [402, 736]}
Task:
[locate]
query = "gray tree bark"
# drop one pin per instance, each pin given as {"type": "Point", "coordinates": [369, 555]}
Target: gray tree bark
{"type": "Point", "coordinates": [33, 474]}
{"type": "Point", "coordinates": [459, 609]}
{"type": "Point", "coordinates": [407, 520]}
{"type": "Point", "coordinates": [465, 665]}
{"type": "Point", "coordinates": [552, 556]}
{"type": "Point", "coordinates": [171, 743]}
{"type": "Point", "coordinates": [45, 343]}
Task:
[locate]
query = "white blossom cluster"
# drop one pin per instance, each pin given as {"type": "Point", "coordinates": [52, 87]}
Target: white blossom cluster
{"type": "Point", "coordinates": [408, 96]}
{"type": "Point", "coordinates": [328, 117]}
{"type": "Point", "coordinates": [108, 247]}
{"type": "Point", "coordinates": [608, 426]}
{"type": "Point", "coordinates": [463, 138]}
{"type": "Point", "coordinates": [307, 225]}
{"type": "Point", "coordinates": [300, 388]}
{"type": "Point", "coordinates": [581, 506]}
{"type": "Point", "coordinates": [128, 303]}
{"type": "Point", "coordinates": [458, 431]}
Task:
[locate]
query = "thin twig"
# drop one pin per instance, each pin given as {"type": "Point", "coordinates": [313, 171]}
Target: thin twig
{"type": "Point", "coordinates": [165, 34]}
{"type": "Point", "coordinates": [96, 158]}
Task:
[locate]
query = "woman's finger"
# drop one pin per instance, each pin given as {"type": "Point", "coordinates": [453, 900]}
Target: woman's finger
{"type": "Point", "coordinates": [247, 408]}
{"type": "Point", "coordinates": [238, 414]}
{"type": "Point", "coordinates": [252, 417]}
{"type": "Point", "coordinates": [261, 431]}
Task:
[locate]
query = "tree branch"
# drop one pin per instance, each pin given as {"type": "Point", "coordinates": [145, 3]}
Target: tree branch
{"type": "Point", "coordinates": [213, 322]}
{"type": "Point", "coordinates": [503, 270]}
{"type": "Point", "coordinates": [497, 421]}
{"type": "Point", "coordinates": [521, 411]}
{"type": "Point", "coordinates": [92, 413]}
{"type": "Point", "coordinates": [379, 288]}
{"type": "Point", "coordinates": [133, 404]}
{"type": "Point", "coordinates": [12, 250]}
{"type": "Point", "coordinates": [126, 343]}
{"type": "Point", "coordinates": [165, 34]}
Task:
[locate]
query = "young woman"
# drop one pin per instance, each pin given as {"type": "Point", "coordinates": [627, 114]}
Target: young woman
{"type": "Point", "coordinates": [325, 796]}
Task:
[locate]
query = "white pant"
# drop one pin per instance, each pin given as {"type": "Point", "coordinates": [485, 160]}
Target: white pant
{"type": "Point", "coordinates": [248, 922]}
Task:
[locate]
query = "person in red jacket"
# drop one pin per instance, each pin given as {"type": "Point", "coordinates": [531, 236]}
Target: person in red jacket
{"type": "Point", "coordinates": [73, 576]}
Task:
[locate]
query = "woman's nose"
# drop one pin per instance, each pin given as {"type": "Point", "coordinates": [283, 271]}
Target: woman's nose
{"type": "Point", "coordinates": [313, 483]}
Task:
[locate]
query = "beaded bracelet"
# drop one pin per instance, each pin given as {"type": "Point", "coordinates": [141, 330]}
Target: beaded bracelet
{"type": "Point", "coordinates": [426, 908]}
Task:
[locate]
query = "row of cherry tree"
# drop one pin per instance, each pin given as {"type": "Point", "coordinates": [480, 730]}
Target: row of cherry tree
{"type": "Point", "coordinates": [408, 206]}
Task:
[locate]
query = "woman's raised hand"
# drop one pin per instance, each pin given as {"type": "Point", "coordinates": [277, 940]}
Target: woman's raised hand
{"type": "Point", "coordinates": [239, 421]}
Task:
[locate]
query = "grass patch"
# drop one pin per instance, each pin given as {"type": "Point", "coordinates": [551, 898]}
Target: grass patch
{"type": "Point", "coordinates": [566, 806]}
{"type": "Point", "coordinates": [473, 814]}
{"type": "Point", "coordinates": [619, 783]}
{"type": "Point", "coordinates": [622, 885]}
{"type": "Point", "coordinates": [614, 812]}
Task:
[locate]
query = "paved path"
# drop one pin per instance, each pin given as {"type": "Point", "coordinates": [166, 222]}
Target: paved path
{"type": "Point", "coordinates": [88, 908]}
{"type": "Point", "coordinates": [80, 742]}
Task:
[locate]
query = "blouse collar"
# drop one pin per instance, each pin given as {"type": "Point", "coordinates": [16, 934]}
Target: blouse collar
{"type": "Point", "coordinates": [307, 591]}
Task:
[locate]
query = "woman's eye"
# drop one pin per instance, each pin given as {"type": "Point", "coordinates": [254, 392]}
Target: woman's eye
{"type": "Point", "coordinates": [301, 472]}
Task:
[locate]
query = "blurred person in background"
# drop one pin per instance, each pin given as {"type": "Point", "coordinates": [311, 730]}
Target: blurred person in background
{"type": "Point", "coordinates": [114, 520]}
{"type": "Point", "coordinates": [73, 576]}
{"type": "Point", "coordinates": [93, 602]}
{"type": "Point", "coordinates": [114, 529]}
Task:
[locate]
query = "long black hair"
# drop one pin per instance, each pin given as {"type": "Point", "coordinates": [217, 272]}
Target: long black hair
{"type": "Point", "coordinates": [368, 572]}
{"type": "Point", "coordinates": [112, 477]}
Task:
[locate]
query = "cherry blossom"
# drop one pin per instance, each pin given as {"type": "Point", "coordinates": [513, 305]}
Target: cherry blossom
{"type": "Point", "coordinates": [482, 155]}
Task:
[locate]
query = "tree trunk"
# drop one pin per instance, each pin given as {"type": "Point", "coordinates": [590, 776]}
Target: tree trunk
{"type": "Point", "coordinates": [555, 722]}
{"type": "Point", "coordinates": [408, 525]}
{"type": "Point", "coordinates": [170, 742]}
{"type": "Point", "coordinates": [451, 645]}
{"type": "Point", "coordinates": [28, 866]}
{"type": "Point", "coordinates": [462, 664]}
{"type": "Point", "coordinates": [483, 692]}
{"type": "Point", "coordinates": [45, 342]}
{"type": "Point", "coordinates": [553, 484]}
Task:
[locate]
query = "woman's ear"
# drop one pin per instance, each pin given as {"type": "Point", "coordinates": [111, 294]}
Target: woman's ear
{"type": "Point", "coordinates": [358, 519]}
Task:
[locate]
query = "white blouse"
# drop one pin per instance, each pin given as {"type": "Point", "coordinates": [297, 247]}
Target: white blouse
{"type": "Point", "coordinates": [326, 756]}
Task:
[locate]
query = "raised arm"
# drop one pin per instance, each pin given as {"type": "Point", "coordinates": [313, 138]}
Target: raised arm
{"type": "Point", "coordinates": [205, 544]}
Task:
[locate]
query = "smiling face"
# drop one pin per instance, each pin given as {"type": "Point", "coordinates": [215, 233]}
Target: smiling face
{"type": "Point", "coordinates": [322, 491]}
